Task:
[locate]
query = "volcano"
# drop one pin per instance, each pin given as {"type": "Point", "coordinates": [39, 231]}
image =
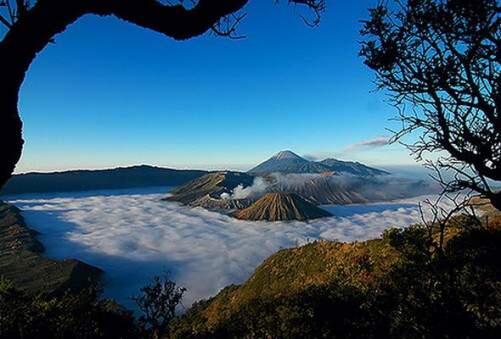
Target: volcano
{"type": "Point", "coordinates": [281, 206]}
{"type": "Point", "coordinates": [211, 185]}
{"type": "Point", "coordinates": [289, 162]}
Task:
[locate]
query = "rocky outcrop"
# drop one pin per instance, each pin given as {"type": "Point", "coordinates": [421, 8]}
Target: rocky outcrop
{"type": "Point", "coordinates": [212, 184]}
{"type": "Point", "coordinates": [224, 205]}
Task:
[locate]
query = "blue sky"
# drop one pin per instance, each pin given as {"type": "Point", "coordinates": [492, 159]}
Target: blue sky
{"type": "Point", "coordinates": [109, 93]}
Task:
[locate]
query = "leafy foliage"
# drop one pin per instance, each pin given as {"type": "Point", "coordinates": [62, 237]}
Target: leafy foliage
{"type": "Point", "coordinates": [72, 315]}
{"type": "Point", "coordinates": [84, 314]}
{"type": "Point", "coordinates": [440, 62]}
{"type": "Point", "coordinates": [158, 303]}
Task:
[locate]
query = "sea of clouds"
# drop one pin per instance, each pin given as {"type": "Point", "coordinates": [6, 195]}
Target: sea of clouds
{"type": "Point", "coordinates": [134, 236]}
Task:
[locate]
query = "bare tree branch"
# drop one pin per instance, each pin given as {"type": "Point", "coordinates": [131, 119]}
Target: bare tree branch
{"type": "Point", "coordinates": [5, 22]}
{"type": "Point", "coordinates": [440, 62]}
{"type": "Point", "coordinates": [36, 23]}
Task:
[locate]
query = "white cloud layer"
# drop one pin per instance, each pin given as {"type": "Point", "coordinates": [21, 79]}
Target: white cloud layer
{"type": "Point", "coordinates": [135, 236]}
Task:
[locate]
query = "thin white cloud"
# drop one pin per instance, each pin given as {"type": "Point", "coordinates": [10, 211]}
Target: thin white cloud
{"type": "Point", "coordinates": [135, 236]}
{"type": "Point", "coordinates": [364, 145]}
{"type": "Point", "coordinates": [368, 144]}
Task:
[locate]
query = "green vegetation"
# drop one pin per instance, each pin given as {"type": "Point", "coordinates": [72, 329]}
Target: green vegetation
{"type": "Point", "coordinates": [22, 262]}
{"type": "Point", "coordinates": [398, 286]}
{"type": "Point", "coordinates": [158, 303]}
{"type": "Point", "coordinates": [70, 315]}
{"type": "Point", "coordinates": [402, 285]}
{"type": "Point", "coordinates": [84, 314]}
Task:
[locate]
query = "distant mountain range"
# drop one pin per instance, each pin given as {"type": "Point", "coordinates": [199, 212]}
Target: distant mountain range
{"type": "Point", "coordinates": [215, 190]}
{"type": "Point", "coordinates": [150, 176]}
{"type": "Point", "coordinates": [287, 187]}
{"type": "Point", "coordinates": [88, 180]}
{"type": "Point", "coordinates": [290, 162]}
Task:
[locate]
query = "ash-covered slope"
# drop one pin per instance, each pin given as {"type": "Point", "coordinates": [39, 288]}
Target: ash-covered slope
{"type": "Point", "coordinates": [211, 185]}
{"type": "Point", "coordinates": [220, 204]}
{"type": "Point", "coordinates": [281, 206]}
{"type": "Point", "coordinates": [320, 190]}
{"type": "Point", "coordinates": [333, 189]}
{"type": "Point", "coordinates": [215, 190]}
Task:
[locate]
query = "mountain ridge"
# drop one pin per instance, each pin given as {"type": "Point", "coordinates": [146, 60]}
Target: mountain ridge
{"type": "Point", "coordinates": [292, 271]}
{"type": "Point", "coordinates": [351, 167]}
{"type": "Point", "coordinates": [211, 184]}
{"type": "Point", "coordinates": [22, 259]}
{"type": "Point", "coordinates": [289, 162]}
{"type": "Point", "coordinates": [87, 180]}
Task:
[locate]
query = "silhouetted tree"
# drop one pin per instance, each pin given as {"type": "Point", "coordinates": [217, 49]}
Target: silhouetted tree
{"type": "Point", "coordinates": [441, 59]}
{"type": "Point", "coordinates": [158, 303]}
{"type": "Point", "coordinates": [81, 314]}
{"type": "Point", "coordinates": [31, 25]}
{"type": "Point", "coordinates": [438, 217]}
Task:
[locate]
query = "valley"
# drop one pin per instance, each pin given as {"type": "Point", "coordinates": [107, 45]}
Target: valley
{"type": "Point", "coordinates": [240, 218]}
{"type": "Point", "coordinates": [132, 237]}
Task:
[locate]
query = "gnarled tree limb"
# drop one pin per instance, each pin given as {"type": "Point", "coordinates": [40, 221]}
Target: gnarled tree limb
{"type": "Point", "coordinates": [36, 26]}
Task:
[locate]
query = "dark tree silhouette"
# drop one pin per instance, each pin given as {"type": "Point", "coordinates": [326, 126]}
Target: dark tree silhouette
{"type": "Point", "coordinates": [34, 24]}
{"type": "Point", "coordinates": [158, 303]}
{"type": "Point", "coordinates": [441, 62]}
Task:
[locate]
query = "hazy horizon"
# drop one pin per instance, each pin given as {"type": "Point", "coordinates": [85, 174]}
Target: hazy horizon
{"type": "Point", "coordinates": [415, 168]}
{"type": "Point", "coordinates": [145, 99]}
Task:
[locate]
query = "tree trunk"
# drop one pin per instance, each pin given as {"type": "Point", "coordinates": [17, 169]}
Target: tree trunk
{"type": "Point", "coordinates": [11, 142]}
{"type": "Point", "coordinates": [38, 26]}
{"type": "Point", "coordinates": [18, 49]}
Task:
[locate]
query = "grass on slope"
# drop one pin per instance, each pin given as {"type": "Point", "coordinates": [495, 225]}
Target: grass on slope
{"type": "Point", "coordinates": [22, 261]}
{"type": "Point", "coordinates": [291, 271]}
